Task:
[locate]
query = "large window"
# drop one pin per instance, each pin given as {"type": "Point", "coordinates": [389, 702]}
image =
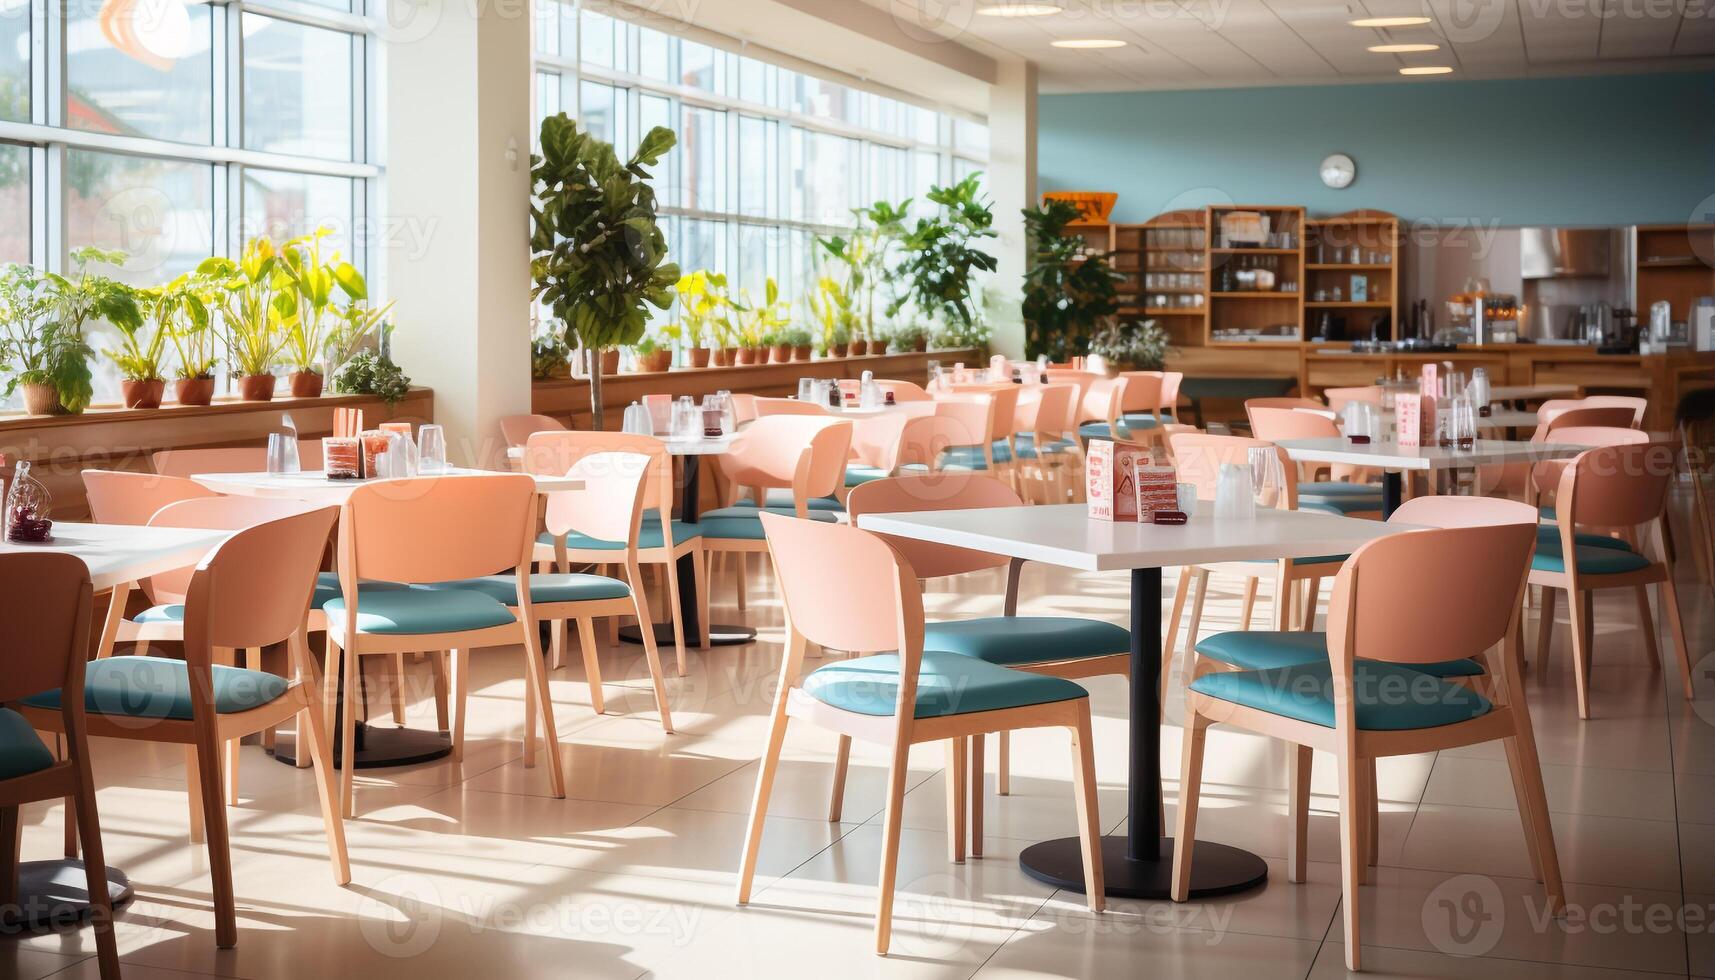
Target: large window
{"type": "Point", "coordinates": [767, 157]}
{"type": "Point", "coordinates": [181, 129]}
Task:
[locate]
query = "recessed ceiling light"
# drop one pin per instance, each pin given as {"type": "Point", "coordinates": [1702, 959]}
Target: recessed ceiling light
{"type": "Point", "coordinates": [1019, 9]}
{"type": "Point", "coordinates": [1427, 70]}
{"type": "Point", "coordinates": [1389, 21]}
{"type": "Point", "coordinates": [1090, 42]}
{"type": "Point", "coordinates": [1403, 48]}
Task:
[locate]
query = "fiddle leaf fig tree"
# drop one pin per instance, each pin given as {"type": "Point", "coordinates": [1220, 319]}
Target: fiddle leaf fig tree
{"type": "Point", "coordinates": [597, 255]}
{"type": "Point", "coordinates": [1070, 294]}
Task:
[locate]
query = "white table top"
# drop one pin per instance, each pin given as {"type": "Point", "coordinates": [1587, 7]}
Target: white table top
{"type": "Point", "coordinates": [1064, 535]}
{"type": "Point", "coordinates": [675, 447]}
{"type": "Point", "coordinates": [120, 553]}
{"type": "Point", "coordinates": [314, 486]}
{"type": "Point", "coordinates": [1392, 456]}
{"type": "Point", "coordinates": [1507, 393]}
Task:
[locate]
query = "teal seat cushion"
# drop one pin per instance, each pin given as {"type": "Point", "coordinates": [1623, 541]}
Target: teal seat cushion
{"type": "Point", "coordinates": [857, 474]}
{"type": "Point", "coordinates": [158, 687]}
{"type": "Point", "coordinates": [1389, 697]}
{"type": "Point", "coordinates": [1144, 420]}
{"type": "Point", "coordinates": [1336, 488]}
{"type": "Point", "coordinates": [1027, 445]}
{"type": "Point", "coordinates": [947, 684]}
{"type": "Point", "coordinates": [21, 749]}
{"type": "Point", "coordinates": [648, 536]}
{"type": "Point", "coordinates": [1591, 559]}
{"type": "Point", "coordinates": [1550, 534]}
{"type": "Point", "coordinates": [415, 611]}
{"type": "Point", "coordinates": [1100, 430]}
{"type": "Point", "coordinates": [744, 524]}
{"type": "Point", "coordinates": [1272, 649]}
{"type": "Point", "coordinates": [1013, 640]}
{"type": "Point", "coordinates": [543, 588]}
{"type": "Point", "coordinates": [1340, 505]}
{"type": "Point", "coordinates": [780, 498]}
{"type": "Point", "coordinates": [327, 588]}
{"type": "Point", "coordinates": [971, 457]}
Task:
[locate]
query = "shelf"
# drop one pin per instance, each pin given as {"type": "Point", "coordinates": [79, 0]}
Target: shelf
{"type": "Point", "coordinates": [1257, 294]}
{"type": "Point", "coordinates": [1174, 311]}
{"type": "Point", "coordinates": [1350, 304]}
{"type": "Point", "coordinates": [1674, 262]}
{"type": "Point", "coordinates": [1338, 266]}
{"type": "Point", "coordinates": [1254, 251]}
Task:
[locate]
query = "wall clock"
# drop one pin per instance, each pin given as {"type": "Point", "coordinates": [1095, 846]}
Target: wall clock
{"type": "Point", "coordinates": [1338, 171]}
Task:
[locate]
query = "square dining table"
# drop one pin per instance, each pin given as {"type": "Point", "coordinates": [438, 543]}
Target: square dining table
{"type": "Point", "coordinates": [1139, 864]}
{"type": "Point", "coordinates": [50, 892]}
{"type": "Point", "coordinates": [1394, 460]}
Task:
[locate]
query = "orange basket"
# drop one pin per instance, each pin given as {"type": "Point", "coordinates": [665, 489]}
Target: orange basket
{"type": "Point", "coordinates": [1095, 205]}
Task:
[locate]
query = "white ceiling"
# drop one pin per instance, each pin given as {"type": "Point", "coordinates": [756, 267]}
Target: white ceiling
{"type": "Point", "coordinates": [1220, 43]}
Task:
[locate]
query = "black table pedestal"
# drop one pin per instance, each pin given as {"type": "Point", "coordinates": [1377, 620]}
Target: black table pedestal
{"type": "Point", "coordinates": [1140, 865]}
{"type": "Point", "coordinates": [720, 634]}
{"type": "Point", "coordinates": [1392, 486]}
{"type": "Point", "coordinates": [373, 748]}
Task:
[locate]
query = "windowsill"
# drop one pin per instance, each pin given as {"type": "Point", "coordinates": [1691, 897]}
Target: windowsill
{"type": "Point", "coordinates": [109, 413]}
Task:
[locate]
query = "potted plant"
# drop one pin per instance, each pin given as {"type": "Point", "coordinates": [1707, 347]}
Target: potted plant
{"type": "Point", "coordinates": [864, 257]}
{"type": "Point", "coordinates": [942, 258]}
{"type": "Point", "coordinates": [839, 342]}
{"type": "Point", "coordinates": [257, 304]}
{"type": "Point", "coordinates": [1069, 292]}
{"type": "Point", "coordinates": [831, 310]}
{"type": "Point", "coordinates": [370, 372]}
{"type": "Point", "coordinates": [1140, 346]}
{"type": "Point", "coordinates": [798, 340]}
{"type": "Point", "coordinates": [878, 344]}
{"type": "Point", "coordinates": [180, 311]}
{"type": "Point", "coordinates": [46, 360]}
{"type": "Point", "coordinates": [704, 311]}
{"type": "Point", "coordinates": [761, 323]}
{"type": "Point", "coordinates": [549, 358]}
{"type": "Point", "coordinates": [357, 327]}
{"type": "Point", "coordinates": [140, 354]}
{"type": "Point", "coordinates": [313, 282]}
{"type": "Point", "coordinates": [911, 337]}
{"type": "Point", "coordinates": [651, 356]}
{"type": "Point", "coordinates": [598, 257]}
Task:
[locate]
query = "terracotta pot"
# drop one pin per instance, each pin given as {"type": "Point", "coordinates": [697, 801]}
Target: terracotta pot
{"type": "Point", "coordinates": [801, 353]}
{"type": "Point", "coordinates": [610, 362]}
{"type": "Point", "coordinates": [661, 360]}
{"type": "Point", "coordinates": [143, 394]}
{"type": "Point", "coordinates": [878, 347]}
{"type": "Point", "coordinates": [727, 356]}
{"type": "Point", "coordinates": [257, 387]}
{"type": "Point", "coordinates": [41, 399]}
{"type": "Point", "coordinates": [700, 357]}
{"type": "Point", "coordinates": [306, 384]}
{"type": "Point", "coordinates": [193, 391]}
{"type": "Point", "coordinates": [840, 349]}
{"type": "Point", "coordinates": [921, 345]}
{"type": "Point", "coordinates": [782, 353]}
{"type": "Point", "coordinates": [744, 355]}
{"type": "Point", "coordinates": [860, 348]}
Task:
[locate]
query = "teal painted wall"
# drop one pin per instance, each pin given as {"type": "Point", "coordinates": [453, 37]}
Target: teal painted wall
{"type": "Point", "coordinates": [1597, 150]}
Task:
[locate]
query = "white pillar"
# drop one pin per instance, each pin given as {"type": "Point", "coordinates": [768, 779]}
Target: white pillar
{"type": "Point", "coordinates": [1012, 184]}
{"type": "Point", "coordinates": [455, 212]}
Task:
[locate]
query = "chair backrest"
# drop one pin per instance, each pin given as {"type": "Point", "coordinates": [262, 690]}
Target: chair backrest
{"type": "Point", "coordinates": [45, 600]}
{"type": "Point", "coordinates": [611, 505]}
{"type": "Point", "coordinates": [1638, 405]}
{"type": "Point", "coordinates": [1284, 402]}
{"type": "Point", "coordinates": [905, 391]}
{"type": "Point", "coordinates": [1103, 398]}
{"type": "Point", "coordinates": [189, 462]}
{"type": "Point", "coordinates": [1198, 458]}
{"type": "Point", "coordinates": [1276, 424]}
{"type": "Point", "coordinates": [806, 454]}
{"type": "Point", "coordinates": [743, 407]}
{"type": "Point", "coordinates": [946, 491]}
{"type": "Point", "coordinates": [1042, 409]}
{"type": "Point", "coordinates": [216, 514]}
{"type": "Point", "coordinates": [347, 422]}
{"type": "Point", "coordinates": [516, 430]}
{"type": "Point", "coordinates": [1001, 423]}
{"type": "Point", "coordinates": [555, 453]}
{"type": "Point", "coordinates": [122, 497]}
{"type": "Point", "coordinates": [436, 530]}
{"type": "Point", "coordinates": [1170, 382]}
{"type": "Point", "coordinates": [1578, 414]}
{"type": "Point", "coordinates": [1450, 511]}
{"type": "Point", "coordinates": [788, 406]}
{"type": "Point", "coordinates": [1142, 392]}
{"type": "Point", "coordinates": [254, 588]}
{"type": "Point", "coordinates": [1618, 486]}
{"type": "Point", "coordinates": [1381, 609]}
{"type": "Point", "coordinates": [1339, 398]}
{"type": "Point", "coordinates": [868, 601]}
{"type": "Point", "coordinates": [894, 439]}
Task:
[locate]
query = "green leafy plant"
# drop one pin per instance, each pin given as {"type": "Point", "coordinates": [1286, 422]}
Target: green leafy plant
{"type": "Point", "coordinates": [1068, 294]}
{"type": "Point", "coordinates": [832, 311]}
{"type": "Point", "coordinates": [74, 300]}
{"type": "Point", "coordinates": [942, 257]}
{"type": "Point", "coordinates": [548, 353]}
{"type": "Point", "coordinates": [257, 301]}
{"type": "Point", "coordinates": [864, 255]}
{"type": "Point", "coordinates": [759, 324]}
{"type": "Point", "coordinates": [598, 258]}
{"type": "Point", "coordinates": [180, 312]}
{"type": "Point", "coordinates": [648, 345]}
{"type": "Point", "coordinates": [358, 326]}
{"type": "Point", "coordinates": [141, 350]}
{"type": "Point", "coordinates": [906, 335]}
{"type": "Point", "coordinates": [1140, 346]}
{"type": "Point", "coordinates": [796, 337]}
{"type": "Point", "coordinates": [705, 309]}
{"type": "Point", "coordinates": [36, 346]}
{"type": "Point", "coordinates": [370, 372]}
{"type": "Point", "coordinates": [313, 282]}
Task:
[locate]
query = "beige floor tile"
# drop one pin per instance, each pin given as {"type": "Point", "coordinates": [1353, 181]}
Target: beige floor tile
{"type": "Point", "coordinates": [1633, 793]}
{"type": "Point", "coordinates": [1280, 908]}
{"type": "Point", "coordinates": [1593, 850]}
{"type": "Point", "coordinates": [1411, 964]}
{"type": "Point", "coordinates": [1129, 947]}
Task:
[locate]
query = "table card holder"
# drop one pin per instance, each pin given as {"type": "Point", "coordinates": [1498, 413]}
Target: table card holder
{"type": "Point", "coordinates": [1157, 489]}
{"type": "Point", "coordinates": [1110, 473]}
{"type": "Point", "coordinates": [1415, 416]}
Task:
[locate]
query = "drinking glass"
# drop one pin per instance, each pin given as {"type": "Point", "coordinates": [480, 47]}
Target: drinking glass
{"type": "Point", "coordinates": [431, 449]}
{"type": "Point", "coordinates": [1187, 494]}
{"type": "Point", "coordinates": [806, 389]}
{"type": "Point", "coordinates": [637, 421]}
{"type": "Point", "coordinates": [1464, 424]}
{"type": "Point", "coordinates": [1268, 478]}
{"type": "Point", "coordinates": [1234, 498]}
{"type": "Point", "coordinates": [282, 453]}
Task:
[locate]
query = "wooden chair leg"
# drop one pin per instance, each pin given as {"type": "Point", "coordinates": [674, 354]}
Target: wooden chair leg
{"type": "Point", "coordinates": [1352, 857]}
{"type": "Point", "coordinates": [1245, 609]}
{"type": "Point", "coordinates": [557, 644]}
{"type": "Point", "coordinates": [11, 852]}
{"type": "Point", "coordinates": [1172, 643]}
{"type": "Point", "coordinates": [348, 735]}
{"type": "Point", "coordinates": [652, 656]}
{"type": "Point", "coordinates": [461, 700]}
{"type": "Point", "coordinates": [95, 866]}
{"type": "Point", "coordinates": [1190, 788]}
{"type": "Point", "coordinates": [1521, 793]}
{"type": "Point", "coordinates": [1531, 769]}
{"type": "Point", "coordinates": [892, 818]}
{"type": "Point", "coordinates": [770, 766]}
{"type": "Point", "coordinates": [1676, 625]}
{"type": "Point", "coordinates": [219, 845]}
{"type": "Point", "coordinates": [739, 587]}
{"type": "Point", "coordinates": [592, 664]}
{"type": "Point", "coordinates": [1089, 814]}
{"type": "Point", "coordinates": [1312, 595]}
{"type": "Point", "coordinates": [396, 689]}
{"type": "Point", "coordinates": [1003, 765]}
{"type": "Point", "coordinates": [230, 772]}
{"type": "Point", "coordinates": [1578, 604]}
{"type": "Point", "coordinates": [1199, 591]}
{"type": "Point", "coordinates": [1299, 761]}
{"type": "Point", "coordinates": [674, 614]}
{"type": "Point", "coordinates": [1545, 626]}
{"type": "Point", "coordinates": [956, 800]}
{"type": "Point", "coordinates": [976, 776]}
{"type": "Point", "coordinates": [700, 578]}
{"type": "Point", "coordinates": [193, 795]}
{"type": "Point", "coordinates": [537, 694]}
{"type": "Point", "coordinates": [438, 668]}
{"type": "Point", "coordinates": [842, 761]}
{"type": "Point", "coordinates": [1646, 621]}
{"type": "Point", "coordinates": [314, 744]}
{"type": "Point", "coordinates": [529, 723]}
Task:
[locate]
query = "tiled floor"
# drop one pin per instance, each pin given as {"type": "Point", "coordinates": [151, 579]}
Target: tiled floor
{"type": "Point", "coordinates": [474, 870]}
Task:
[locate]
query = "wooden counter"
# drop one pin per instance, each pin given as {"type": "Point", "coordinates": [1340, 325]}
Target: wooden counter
{"type": "Point", "coordinates": [569, 400]}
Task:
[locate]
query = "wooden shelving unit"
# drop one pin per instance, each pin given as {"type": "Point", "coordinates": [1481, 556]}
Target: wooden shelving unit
{"type": "Point", "coordinates": [1169, 254]}
{"type": "Point", "coordinates": [1341, 253]}
{"type": "Point", "coordinates": [1243, 316]}
{"type": "Point", "coordinates": [1675, 263]}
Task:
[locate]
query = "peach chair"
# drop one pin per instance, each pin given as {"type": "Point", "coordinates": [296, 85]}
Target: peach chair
{"type": "Point", "coordinates": [1058, 646]}
{"type": "Point", "coordinates": [1198, 458]}
{"type": "Point", "coordinates": [1545, 475]}
{"type": "Point", "coordinates": [1039, 421]}
{"type": "Point", "coordinates": [1625, 488]}
{"type": "Point", "coordinates": [555, 454]}
{"type": "Point", "coordinates": [884, 445]}
{"type": "Point", "coordinates": [904, 391]}
{"type": "Point", "coordinates": [516, 430]}
{"type": "Point", "coordinates": [252, 590]}
{"type": "Point", "coordinates": [1141, 419]}
{"type": "Point", "coordinates": [804, 455]}
{"type": "Point", "coordinates": [428, 532]}
{"type": "Point", "coordinates": [347, 422]}
{"type": "Point", "coordinates": [1347, 492]}
{"type": "Point", "coordinates": [1611, 410]}
{"type": "Point", "coordinates": [1380, 626]}
{"type": "Point", "coordinates": [1514, 479]}
{"type": "Point", "coordinates": [186, 463]}
{"type": "Point", "coordinates": [45, 602]}
{"type": "Point", "coordinates": [743, 408]}
{"type": "Point", "coordinates": [788, 406]}
{"type": "Point", "coordinates": [1136, 398]}
{"type": "Point", "coordinates": [994, 414]}
{"type": "Point", "coordinates": [1339, 398]}
{"type": "Point", "coordinates": [126, 497]}
{"type": "Point", "coordinates": [1638, 405]}
{"type": "Point", "coordinates": [869, 602]}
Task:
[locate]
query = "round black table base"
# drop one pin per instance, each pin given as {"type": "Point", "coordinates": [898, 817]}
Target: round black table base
{"type": "Point", "coordinates": [1216, 869]}
{"type": "Point", "coordinates": [720, 635]}
{"type": "Point", "coordinates": [380, 748]}
{"type": "Point", "coordinates": [52, 894]}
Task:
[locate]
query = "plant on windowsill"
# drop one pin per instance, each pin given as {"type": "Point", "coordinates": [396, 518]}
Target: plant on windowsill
{"type": "Point", "coordinates": [257, 305]}
{"type": "Point", "coordinates": [40, 355]}
{"type": "Point", "coordinates": [370, 372]}
{"type": "Point", "coordinates": [313, 282]}
{"type": "Point", "coordinates": [1140, 346]}
{"type": "Point", "coordinates": [358, 327]}
{"type": "Point", "coordinates": [72, 302]}
{"type": "Point", "coordinates": [180, 312]}
{"type": "Point", "coordinates": [831, 310]}
{"type": "Point", "coordinates": [705, 313]}
{"type": "Point", "coordinates": [760, 324]}
{"type": "Point", "coordinates": [942, 261]}
{"type": "Point", "coordinates": [142, 350]}
{"type": "Point", "coordinates": [910, 337]}
{"type": "Point", "coordinates": [597, 255]}
{"type": "Point", "coordinates": [1069, 292]}
{"type": "Point", "coordinates": [651, 356]}
{"type": "Point", "coordinates": [865, 256]}
{"type": "Point", "coordinates": [799, 341]}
